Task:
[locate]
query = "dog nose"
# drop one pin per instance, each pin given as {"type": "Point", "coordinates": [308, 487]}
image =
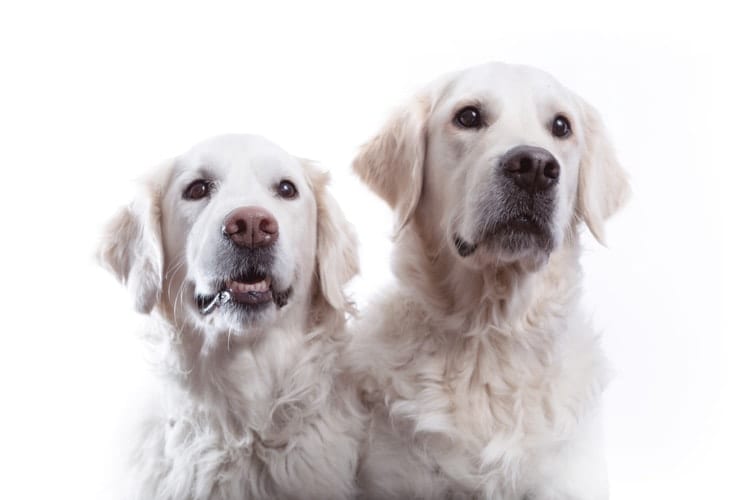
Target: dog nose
{"type": "Point", "coordinates": [251, 227]}
{"type": "Point", "coordinates": [531, 168]}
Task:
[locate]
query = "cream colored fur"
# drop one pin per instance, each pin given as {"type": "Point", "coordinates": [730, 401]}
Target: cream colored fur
{"type": "Point", "coordinates": [482, 373]}
{"type": "Point", "coordinates": [245, 410]}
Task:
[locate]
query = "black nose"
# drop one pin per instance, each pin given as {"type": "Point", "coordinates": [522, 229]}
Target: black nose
{"type": "Point", "coordinates": [531, 168]}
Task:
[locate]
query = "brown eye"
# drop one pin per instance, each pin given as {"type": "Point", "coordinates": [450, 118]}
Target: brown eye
{"type": "Point", "coordinates": [286, 190]}
{"type": "Point", "coordinates": [468, 117]}
{"type": "Point", "coordinates": [561, 127]}
{"type": "Point", "coordinates": [197, 190]}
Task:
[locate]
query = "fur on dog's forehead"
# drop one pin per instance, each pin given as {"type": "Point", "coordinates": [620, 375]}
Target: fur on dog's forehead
{"type": "Point", "coordinates": [503, 89]}
{"type": "Point", "coordinates": [235, 154]}
{"type": "Point", "coordinates": [497, 74]}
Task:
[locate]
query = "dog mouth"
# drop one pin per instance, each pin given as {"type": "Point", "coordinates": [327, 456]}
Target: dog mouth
{"type": "Point", "coordinates": [522, 224]}
{"type": "Point", "coordinates": [253, 291]}
{"type": "Point", "coordinates": [512, 234]}
{"type": "Point", "coordinates": [249, 292]}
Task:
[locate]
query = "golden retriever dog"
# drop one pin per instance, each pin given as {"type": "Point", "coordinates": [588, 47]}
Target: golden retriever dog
{"type": "Point", "coordinates": [482, 372]}
{"type": "Point", "coordinates": [240, 255]}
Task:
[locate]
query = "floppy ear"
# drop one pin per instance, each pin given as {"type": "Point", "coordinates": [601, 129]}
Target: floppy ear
{"type": "Point", "coordinates": [132, 247]}
{"type": "Point", "coordinates": [392, 163]}
{"type": "Point", "coordinates": [602, 183]}
{"type": "Point", "coordinates": [336, 259]}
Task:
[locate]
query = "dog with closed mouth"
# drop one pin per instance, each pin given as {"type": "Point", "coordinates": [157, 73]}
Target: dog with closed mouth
{"type": "Point", "coordinates": [239, 254]}
{"type": "Point", "coordinates": [482, 373]}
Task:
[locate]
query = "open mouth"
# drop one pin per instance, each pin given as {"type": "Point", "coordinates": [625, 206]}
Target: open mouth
{"type": "Point", "coordinates": [250, 292]}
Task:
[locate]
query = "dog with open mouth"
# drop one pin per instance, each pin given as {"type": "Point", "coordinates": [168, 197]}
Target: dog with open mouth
{"type": "Point", "coordinates": [240, 255]}
{"type": "Point", "coordinates": [482, 372]}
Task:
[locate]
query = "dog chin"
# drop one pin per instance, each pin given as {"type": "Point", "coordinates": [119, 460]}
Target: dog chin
{"type": "Point", "coordinates": [529, 259]}
{"type": "Point", "coordinates": [247, 321]}
{"type": "Point", "coordinates": [236, 319]}
{"type": "Point", "coordinates": [529, 251]}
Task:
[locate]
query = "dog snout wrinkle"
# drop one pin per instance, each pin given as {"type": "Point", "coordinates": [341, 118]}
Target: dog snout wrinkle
{"type": "Point", "coordinates": [251, 227]}
{"type": "Point", "coordinates": [531, 168]}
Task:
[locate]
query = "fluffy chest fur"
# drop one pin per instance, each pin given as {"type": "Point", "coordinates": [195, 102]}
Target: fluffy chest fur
{"type": "Point", "coordinates": [474, 400]}
{"type": "Point", "coordinates": [237, 423]}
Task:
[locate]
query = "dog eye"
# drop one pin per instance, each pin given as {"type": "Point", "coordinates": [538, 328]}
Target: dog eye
{"type": "Point", "coordinates": [561, 127]}
{"type": "Point", "coordinates": [197, 190]}
{"type": "Point", "coordinates": [286, 190]}
{"type": "Point", "coordinates": [468, 117]}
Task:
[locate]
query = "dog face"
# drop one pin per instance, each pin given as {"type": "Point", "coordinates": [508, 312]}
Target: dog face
{"type": "Point", "coordinates": [234, 235]}
{"type": "Point", "coordinates": [498, 162]}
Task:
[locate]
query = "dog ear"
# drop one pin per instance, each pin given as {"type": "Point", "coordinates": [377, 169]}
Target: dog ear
{"type": "Point", "coordinates": [336, 259]}
{"type": "Point", "coordinates": [602, 183]}
{"type": "Point", "coordinates": [131, 247]}
{"type": "Point", "coordinates": [392, 163]}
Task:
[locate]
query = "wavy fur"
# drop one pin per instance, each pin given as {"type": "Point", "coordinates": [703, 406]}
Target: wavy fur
{"type": "Point", "coordinates": [482, 374]}
{"type": "Point", "coordinates": [244, 411]}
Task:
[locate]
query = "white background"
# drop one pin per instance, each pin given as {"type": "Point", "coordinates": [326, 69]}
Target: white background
{"type": "Point", "coordinates": [93, 93]}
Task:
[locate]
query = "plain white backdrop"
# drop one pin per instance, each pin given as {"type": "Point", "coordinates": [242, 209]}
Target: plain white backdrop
{"type": "Point", "coordinates": [93, 93]}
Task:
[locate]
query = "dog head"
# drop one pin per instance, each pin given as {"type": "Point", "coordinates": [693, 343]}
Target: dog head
{"type": "Point", "coordinates": [497, 162]}
{"type": "Point", "coordinates": [234, 235]}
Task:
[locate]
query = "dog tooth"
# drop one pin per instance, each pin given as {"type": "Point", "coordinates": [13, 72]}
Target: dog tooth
{"type": "Point", "coordinates": [259, 286]}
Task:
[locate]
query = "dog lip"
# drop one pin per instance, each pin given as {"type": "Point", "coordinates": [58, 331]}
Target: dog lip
{"type": "Point", "coordinates": [243, 294]}
{"type": "Point", "coordinates": [524, 228]}
{"type": "Point", "coordinates": [463, 247]}
{"type": "Point", "coordinates": [207, 304]}
{"type": "Point", "coordinates": [252, 298]}
{"type": "Point", "coordinates": [525, 218]}
{"type": "Point", "coordinates": [524, 223]}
